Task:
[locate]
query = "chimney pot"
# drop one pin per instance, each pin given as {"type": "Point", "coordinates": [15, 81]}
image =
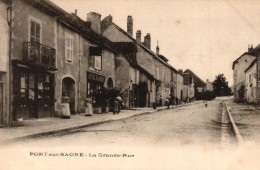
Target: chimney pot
{"type": "Point", "coordinates": [180, 70]}
{"type": "Point", "coordinates": [138, 36]}
{"type": "Point", "coordinates": [147, 40]}
{"type": "Point", "coordinates": [130, 25]}
{"type": "Point", "coordinates": [157, 49]}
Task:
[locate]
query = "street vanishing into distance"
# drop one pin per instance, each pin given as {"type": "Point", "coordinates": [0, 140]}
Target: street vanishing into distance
{"type": "Point", "coordinates": [194, 124]}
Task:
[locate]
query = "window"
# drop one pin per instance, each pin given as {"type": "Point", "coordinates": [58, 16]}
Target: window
{"type": "Point", "coordinates": [98, 63]}
{"type": "Point", "coordinates": [95, 58]}
{"type": "Point", "coordinates": [35, 31]}
{"type": "Point", "coordinates": [250, 79]}
{"type": "Point", "coordinates": [69, 48]}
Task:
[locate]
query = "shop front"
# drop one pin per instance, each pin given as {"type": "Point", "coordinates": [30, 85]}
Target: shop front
{"type": "Point", "coordinates": [96, 92]}
{"type": "Point", "coordinates": [33, 92]}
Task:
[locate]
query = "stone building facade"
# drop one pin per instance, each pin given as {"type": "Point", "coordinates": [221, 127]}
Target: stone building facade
{"type": "Point", "coordinates": [51, 52]}
{"type": "Point", "coordinates": [251, 83]}
{"type": "Point", "coordinates": [4, 62]}
{"type": "Point", "coordinates": [239, 66]}
{"type": "Point", "coordinates": [148, 70]}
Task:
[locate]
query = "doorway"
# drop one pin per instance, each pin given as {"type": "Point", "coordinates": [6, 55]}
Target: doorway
{"type": "Point", "coordinates": [68, 87]}
{"type": "Point", "coordinates": [143, 90]}
{"type": "Point", "coordinates": [110, 83]}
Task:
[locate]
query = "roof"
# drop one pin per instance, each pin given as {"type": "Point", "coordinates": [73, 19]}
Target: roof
{"type": "Point", "coordinates": [251, 65]}
{"type": "Point", "coordinates": [140, 44]}
{"type": "Point", "coordinates": [236, 61]}
{"type": "Point", "coordinates": [197, 77]}
{"type": "Point", "coordinates": [163, 58]}
{"type": "Point", "coordinates": [254, 52]}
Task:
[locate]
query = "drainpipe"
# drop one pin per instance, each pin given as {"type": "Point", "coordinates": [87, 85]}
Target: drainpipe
{"type": "Point", "coordinates": [79, 73]}
{"type": "Point", "coordinates": [9, 21]}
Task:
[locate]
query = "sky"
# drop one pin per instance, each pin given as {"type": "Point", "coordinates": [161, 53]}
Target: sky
{"type": "Point", "coordinates": [205, 36]}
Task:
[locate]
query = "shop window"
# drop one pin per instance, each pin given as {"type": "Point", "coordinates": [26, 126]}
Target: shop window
{"type": "Point", "coordinates": [69, 48]}
{"type": "Point", "coordinates": [44, 93]}
{"type": "Point", "coordinates": [34, 86]}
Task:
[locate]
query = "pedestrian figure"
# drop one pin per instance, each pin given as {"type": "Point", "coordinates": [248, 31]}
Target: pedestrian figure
{"type": "Point", "coordinates": [88, 107]}
{"type": "Point", "coordinates": [167, 103]}
{"type": "Point", "coordinates": [65, 110]}
{"type": "Point", "coordinates": [160, 101]}
{"type": "Point", "coordinates": [206, 104]}
{"type": "Point", "coordinates": [177, 101]}
{"type": "Point", "coordinates": [119, 100]}
{"type": "Point", "coordinates": [115, 110]}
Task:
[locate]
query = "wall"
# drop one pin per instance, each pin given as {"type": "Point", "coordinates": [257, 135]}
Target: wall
{"type": "Point", "coordinates": [65, 68]}
{"type": "Point", "coordinates": [4, 62]}
{"type": "Point", "coordinates": [122, 71]}
{"type": "Point", "coordinates": [22, 12]}
{"type": "Point", "coordinates": [239, 72]}
{"type": "Point", "coordinates": [108, 66]}
{"type": "Point", "coordinates": [179, 86]}
{"type": "Point", "coordinates": [251, 91]}
{"type": "Point", "coordinates": [4, 41]}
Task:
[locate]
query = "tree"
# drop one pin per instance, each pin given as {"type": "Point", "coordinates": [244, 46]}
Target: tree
{"type": "Point", "coordinates": [220, 86]}
{"type": "Point", "coordinates": [241, 93]}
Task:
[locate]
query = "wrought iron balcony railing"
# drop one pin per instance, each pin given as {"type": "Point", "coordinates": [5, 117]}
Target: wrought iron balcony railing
{"type": "Point", "coordinates": [38, 53]}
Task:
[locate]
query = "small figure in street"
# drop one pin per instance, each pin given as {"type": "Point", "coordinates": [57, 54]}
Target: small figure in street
{"type": "Point", "coordinates": [115, 110]}
{"type": "Point", "coordinates": [176, 101]}
{"type": "Point", "coordinates": [119, 100]}
{"type": "Point", "coordinates": [88, 107]}
{"type": "Point", "coordinates": [65, 110]}
{"type": "Point", "coordinates": [160, 101]}
{"type": "Point", "coordinates": [167, 103]}
{"type": "Point", "coordinates": [206, 104]}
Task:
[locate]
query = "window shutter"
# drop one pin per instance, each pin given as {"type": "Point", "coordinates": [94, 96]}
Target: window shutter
{"type": "Point", "coordinates": [71, 49]}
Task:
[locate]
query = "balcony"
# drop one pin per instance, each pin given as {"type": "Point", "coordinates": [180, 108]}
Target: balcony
{"type": "Point", "coordinates": [37, 53]}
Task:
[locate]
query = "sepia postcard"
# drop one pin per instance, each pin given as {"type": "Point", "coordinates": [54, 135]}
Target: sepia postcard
{"type": "Point", "coordinates": [129, 84]}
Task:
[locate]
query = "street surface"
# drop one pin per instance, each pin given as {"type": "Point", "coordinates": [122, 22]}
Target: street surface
{"type": "Point", "coordinates": [189, 137]}
{"type": "Point", "coordinates": [189, 125]}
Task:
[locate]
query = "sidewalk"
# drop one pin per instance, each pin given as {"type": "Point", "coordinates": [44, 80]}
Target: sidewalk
{"type": "Point", "coordinates": [40, 127]}
{"type": "Point", "coordinates": [247, 119]}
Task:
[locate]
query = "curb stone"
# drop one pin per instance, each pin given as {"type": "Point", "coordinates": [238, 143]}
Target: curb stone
{"type": "Point", "coordinates": [235, 128]}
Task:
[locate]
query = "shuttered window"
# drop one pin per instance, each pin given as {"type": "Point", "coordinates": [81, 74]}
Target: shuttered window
{"type": "Point", "coordinates": [69, 48]}
{"type": "Point", "coordinates": [35, 32]}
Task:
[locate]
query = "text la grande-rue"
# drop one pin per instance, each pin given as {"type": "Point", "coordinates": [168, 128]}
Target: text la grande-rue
{"type": "Point", "coordinates": [111, 155]}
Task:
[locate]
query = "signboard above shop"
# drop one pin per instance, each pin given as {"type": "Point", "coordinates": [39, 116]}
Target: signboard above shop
{"type": "Point", "coordinates": [95, 77]}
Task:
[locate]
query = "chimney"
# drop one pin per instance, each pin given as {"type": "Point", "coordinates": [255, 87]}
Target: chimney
{"type": "Point", "coordinates": [180, 70]}
{"type": "Point", "coordinates": [147, 41]}
{"type": "Point", "coordinates": [138, 36]}
{"type": "Point", "coordinates": [106, 22]}
{"type": "Point", "coordinates": [157, 49]}
{"type": "Point", "coordinates": [95, 21]}
{"type": "Point", "coordinates": [130, 25]}
{"type": "Point", "coordinates": [76, 11]}
{"type": "Point", "coordinates": [250, 49]}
